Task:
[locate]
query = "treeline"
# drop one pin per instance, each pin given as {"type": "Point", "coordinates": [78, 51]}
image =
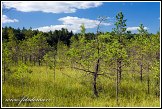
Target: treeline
{"type": "Point", "coordinates": [27, 44]}
{"type": "Point", "coordinates": [99, 54]}
{"type": "Point", "coordinates": [52, 37]}
{"type": "Point", "coordinates": [25, 41]}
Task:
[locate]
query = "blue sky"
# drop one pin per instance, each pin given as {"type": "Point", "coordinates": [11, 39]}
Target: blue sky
{"type": "Point", "coordinates": [46, 16]}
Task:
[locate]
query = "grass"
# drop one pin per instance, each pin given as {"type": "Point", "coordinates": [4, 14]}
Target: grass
{"type": "Point", "coordinates": [72, 88]}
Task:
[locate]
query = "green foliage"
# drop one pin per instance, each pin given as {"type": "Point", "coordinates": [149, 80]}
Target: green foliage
{"type": "Point", "coordinates": [156, 78]}
{"type": "Point", "coordinates": [61, 49]}
{"type": "Point", "coordinates": [49, 58]}
{"type": "Point", "coordinates": [82, 51]}
{"type": "Point", "coordinates": [6, 53]}
{"type": "Point", "coordinates": [83, 29]}
{"type": "Point", "coordinates": [120, 24]}
{"type": "Point", "coordinates": [21, 71]}
{"type": "Point", "coordinates": [118, 48]}
{"type": "Point", "coordinates": [142, 30]}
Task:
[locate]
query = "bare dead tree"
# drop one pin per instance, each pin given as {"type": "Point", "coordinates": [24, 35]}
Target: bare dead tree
{"type": "Point", "coordinates": [94, 73]}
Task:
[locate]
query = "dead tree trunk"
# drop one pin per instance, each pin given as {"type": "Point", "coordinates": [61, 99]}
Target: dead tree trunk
{"type": "Point", "coordinates": [54, 64]}
{"type": "Point", "coordinates": [46, 67]}
{"type": "Point", "coordinates": [120, 69]}
{"type": "Point", "coordinates": [117, 83]}
{"type": "Point", "coordinates": [157, 92]}
{"type": "Point", "coordinates": [141, 69]}
{"type": "Point", "coordinates": [39, 61]}
{"type": "Point", "coordinates": [22, 58]}
{"type": "Point", "coordinates": [95, 78]}
{"type": "Point", "coordinates": [4, 69]}
{"type": "Point", "coordinates": [26, 58]}
{"type": "Point", "coordinates": [148, 85]}
{"type": "Point", "coordinates": [30, 59]}
{"type": "Point", "coordinates": [34, 60]}
{"type": "Point", "coordinates": [148, 80]}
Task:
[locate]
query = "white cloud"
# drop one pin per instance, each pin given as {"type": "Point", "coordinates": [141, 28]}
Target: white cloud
{"type": "Point", "coordinates": [72, 23]}
{"type": "Point", "coordinates": [50, 7]}
{"type": "Point", "coordinates": [135, 28]}
{"type": "Point", "coordinates": [56, 27]}
{"type": "Point", "coordinates": [5, 19]}
{"type": "Point", "coordinates": [78, 21]}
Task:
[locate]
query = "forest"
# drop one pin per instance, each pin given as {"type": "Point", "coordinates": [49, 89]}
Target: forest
{"type": "Point", "coordinates": [66, 69]}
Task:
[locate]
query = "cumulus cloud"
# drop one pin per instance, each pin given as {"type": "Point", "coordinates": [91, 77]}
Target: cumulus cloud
{"type": "Point", "coordinates": [5, 19]}
{"type": "Point", "coordinates": [73, 24]}
{"type": "Point", "coordinates": [78, 21]}
{"type": "Point", "coordinates": [50, 7]}
{"type": "Point", "coordinates": [135, 28]}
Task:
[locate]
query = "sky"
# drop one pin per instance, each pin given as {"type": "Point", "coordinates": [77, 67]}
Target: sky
{"type": "Point", "coordinates": [46, 16]}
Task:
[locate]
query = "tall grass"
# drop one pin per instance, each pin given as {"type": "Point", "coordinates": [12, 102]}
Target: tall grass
{"type": "Point", "coordinates": [72, 88]}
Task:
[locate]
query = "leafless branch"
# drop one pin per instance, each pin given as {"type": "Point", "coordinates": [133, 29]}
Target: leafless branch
{"type": "Point", "coordinates": [83, 70]}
